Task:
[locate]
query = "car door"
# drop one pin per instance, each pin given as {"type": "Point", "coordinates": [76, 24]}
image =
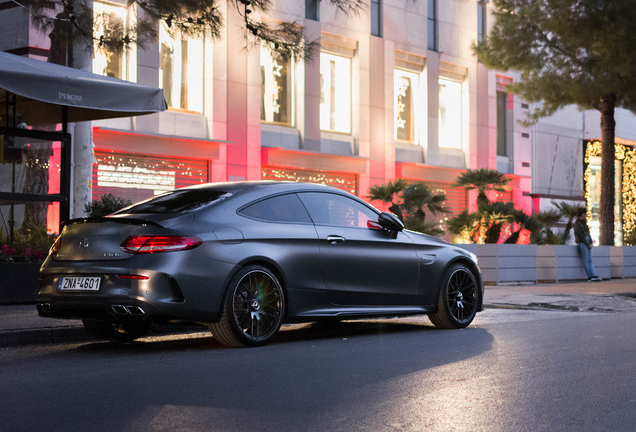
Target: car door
{"type": "Point", "coordinates": [361, 265]}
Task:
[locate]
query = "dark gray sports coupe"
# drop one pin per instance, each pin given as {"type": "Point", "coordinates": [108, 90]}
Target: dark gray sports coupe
{"type": "Point", "coordinates": [245, 258]}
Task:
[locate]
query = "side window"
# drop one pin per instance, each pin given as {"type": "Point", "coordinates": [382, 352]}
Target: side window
{"type": "Point", "coordinates": [282, 208]}
{"type": "Point", "coordinates": [337, 210]}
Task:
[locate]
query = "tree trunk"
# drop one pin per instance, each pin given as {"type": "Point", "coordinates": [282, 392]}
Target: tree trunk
{"type": "Point", "coordinates": [608, 125]}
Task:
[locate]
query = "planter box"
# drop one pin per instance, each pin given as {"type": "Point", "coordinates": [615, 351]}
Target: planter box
{"type": "Point", "coordinates": [19, 282]}
{"type": "Point", "coordinates": [506, 263]}
{"type": "Point", "coordinates": [622, 261]}
{"type": "Point", "coordinates": [503, 263]}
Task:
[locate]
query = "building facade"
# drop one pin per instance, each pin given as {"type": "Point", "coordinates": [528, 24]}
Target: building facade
{"type": "Point", "coordinates": [395, 92]}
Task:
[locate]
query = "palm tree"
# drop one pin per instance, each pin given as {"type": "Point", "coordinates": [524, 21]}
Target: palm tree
{"type": "Point", "coordinates": [494, 215]}
{"type": "Point", "coordinates": [547, 218]}
{"type": "Point", "coordinates": [523, 221]}
{"type": "Point", "coordinates": [570, 211]}
{"type": "Point", "coordinates": [419, 196]}
{"type": "Point", "coordinates": [390, 193]}
{"type": "Point", "coordinates": [482, 179]}
{"type": "Point", "coordinates": [464, 225]}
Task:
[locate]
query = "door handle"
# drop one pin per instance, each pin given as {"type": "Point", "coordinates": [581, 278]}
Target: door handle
{"type": "Point", "coordinates": [334, 239]}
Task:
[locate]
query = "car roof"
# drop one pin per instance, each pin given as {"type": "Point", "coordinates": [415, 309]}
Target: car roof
{"type": "Point", "coordinates": [269, 185]}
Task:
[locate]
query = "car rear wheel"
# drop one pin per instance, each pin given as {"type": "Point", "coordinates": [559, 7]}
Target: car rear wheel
{"type": "Point", "coordinates": [253, 309]}
{"type": "Point", "coordinates": [457, 301]}
{"type": "Point", "coordinates": [125, 332]}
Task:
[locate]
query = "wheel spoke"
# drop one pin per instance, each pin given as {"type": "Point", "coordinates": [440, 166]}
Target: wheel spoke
{"type": "Point", "coordinates": [257, 305]}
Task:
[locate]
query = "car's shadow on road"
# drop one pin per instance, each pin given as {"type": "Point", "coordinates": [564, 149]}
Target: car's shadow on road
{"type": "Point", "coordinates": [295, 333]}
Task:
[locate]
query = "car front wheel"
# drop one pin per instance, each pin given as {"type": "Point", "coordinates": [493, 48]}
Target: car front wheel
{"type": "Point", "coordinates": [253, 309]}
{"type": "Point", "coordinates": [457, 301]}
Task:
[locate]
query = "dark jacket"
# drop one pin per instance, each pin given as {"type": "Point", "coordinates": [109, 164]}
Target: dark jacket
{"type": "Point", "coordinates": [582, 233]}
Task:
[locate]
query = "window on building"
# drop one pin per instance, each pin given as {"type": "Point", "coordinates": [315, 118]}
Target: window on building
{"type": "Point", "coordinates": [432, 25]}
{"type": "Point", "coordinates": [406, 91]}
{"type": "Point", "coordinates": [312, 10]}
{"type": "Point", "coordinates": [481, 20]}
{"type": "Point", "coordinates": [276, 88]}
{"type": "Point", "coordinates": [450, 114]}
{"type": "Point", "coordinates": [502, 123]}
{"type": "Point", "coordinates": [376, 18]}
{"type": "Point", "coordinates": [122, 64]}
{"type": "Point", "coordinates": [181, 70]}
{"type": "Point", "coordinates": [335, 93]}
{"type": "Point", "coordinates": [138, 177]}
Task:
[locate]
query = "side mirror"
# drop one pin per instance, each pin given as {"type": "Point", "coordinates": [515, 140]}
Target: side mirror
{"type": "Point", "coordinates": [391, 223]}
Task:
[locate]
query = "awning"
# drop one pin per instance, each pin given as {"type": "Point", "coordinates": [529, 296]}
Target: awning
{"type": "Point", "coordinates": [42, 90]}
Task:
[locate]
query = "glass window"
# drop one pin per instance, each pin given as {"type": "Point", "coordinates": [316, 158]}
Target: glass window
{"type": "Point", "coordinates": [122, 64]}
{"type": "Point", "coordinates": [502, 114]}
{"type": "Point", "coordinates": [337, 210]}
{"type": "Point", "coordinates": [405, 99]}
{"type": "Point", "coordinates": [276, 88]}
{"type": "Point", "coordinates": [450, 114]}
{"type": "Point", "coordinates": [344, 181]}
{"type": "Point", "coordinates": [33, 167]}
{"type": "Point", "coordinates": [376, 18]}
{"type": "Point", "coordinates": [138, 177]}
{"type": "Point", "coordinates": [181, 70]}
{"type": "Point", "coordinates": [481, 20]}
{"type": "Point", "coordinates": [432, 25]}
{"type": "Point", "coordinates": [284, 208]}
{"type": "Point", "coordinates": [180, 200]}
{"type": "Point", "coordinates": [312, 10]}
{"type": "Point", "coordinates": [335, 93]}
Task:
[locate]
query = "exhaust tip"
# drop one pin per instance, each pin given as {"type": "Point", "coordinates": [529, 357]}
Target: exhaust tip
{"type": "Point", "coordinates": [127, 310]}
{"type": "Point", "coordinates": [44, 307]}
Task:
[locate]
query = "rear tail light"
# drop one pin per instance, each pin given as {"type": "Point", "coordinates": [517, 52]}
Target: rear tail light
{"type": "Point", "coordinates": [137, 244]}
{"type": "Point", "coordinates": [135, 277]}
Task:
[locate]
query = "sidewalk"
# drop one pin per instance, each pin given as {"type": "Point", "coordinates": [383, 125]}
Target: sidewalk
{"type": "Point", "coordinates": [20, 325]}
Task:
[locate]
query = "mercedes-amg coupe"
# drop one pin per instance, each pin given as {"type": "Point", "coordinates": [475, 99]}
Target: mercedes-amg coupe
{"type": "Point", "coordinates": [245, 257]}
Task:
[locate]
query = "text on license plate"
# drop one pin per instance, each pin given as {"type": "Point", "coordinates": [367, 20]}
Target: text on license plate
{"type": "Point", "coordinates": [79, 283]}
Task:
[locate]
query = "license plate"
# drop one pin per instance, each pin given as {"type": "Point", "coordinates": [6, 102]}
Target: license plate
{"type": "Point", "coordinates": [79, 283]}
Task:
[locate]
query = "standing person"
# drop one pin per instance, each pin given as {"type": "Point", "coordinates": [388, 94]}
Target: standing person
{"type": "Point", "coordinates": [584, 240]}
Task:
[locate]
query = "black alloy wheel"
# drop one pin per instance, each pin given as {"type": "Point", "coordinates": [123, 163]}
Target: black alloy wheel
{"type": "Point", "coordinates": [253, 309]}
{"type": "Point", "coordinates": [457, 302]}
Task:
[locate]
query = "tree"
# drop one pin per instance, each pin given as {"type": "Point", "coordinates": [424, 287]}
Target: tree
{"type": "Point", "coordinates": [389, 194]}
{"type": "Point", "coordinates": [484, 180]}
{"type": "Point", "coordinates": [410, 202]}
{"type": "Point", "coordinates": [74, 20]}
{"type": "Point", "coordinates": [580, 52]}
{"type": "Point", "coordinates": [569, 211]}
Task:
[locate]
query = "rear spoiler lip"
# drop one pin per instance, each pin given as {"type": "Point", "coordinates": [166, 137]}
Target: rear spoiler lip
{"type": "Point", "coordinates": [127, 221]}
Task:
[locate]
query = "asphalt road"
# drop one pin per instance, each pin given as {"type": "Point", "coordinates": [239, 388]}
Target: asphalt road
{"type": "Point", "coordinates": [513, 370]}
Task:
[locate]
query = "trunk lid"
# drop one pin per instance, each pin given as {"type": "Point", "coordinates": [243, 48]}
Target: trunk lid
{"type": "Point", "coordinates": [99, 239]}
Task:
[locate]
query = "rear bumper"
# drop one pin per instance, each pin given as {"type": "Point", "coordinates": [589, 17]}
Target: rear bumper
{"type": "Point", "coordinates": [171, 289]}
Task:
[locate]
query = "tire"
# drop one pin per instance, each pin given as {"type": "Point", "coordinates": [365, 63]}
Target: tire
{"type": "Point", "coordinates": [458, 299]}
{"type": "Point", "coordinates": [118, 332]}
{"type": "Point", "coordinates": [253, 309]}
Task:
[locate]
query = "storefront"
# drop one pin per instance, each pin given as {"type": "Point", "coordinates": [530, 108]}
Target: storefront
{"type": "Point", "coordinates": [136, 166]}
{"type": "Point", "coordinates": [624, 188]}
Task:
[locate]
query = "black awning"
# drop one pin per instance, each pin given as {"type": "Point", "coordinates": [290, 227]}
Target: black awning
{"type": "Point", "coordinates": [41, 89]}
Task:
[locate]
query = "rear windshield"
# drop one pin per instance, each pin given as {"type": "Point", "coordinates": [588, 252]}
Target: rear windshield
{"type": "Point", "coordinates": [178, 201]}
